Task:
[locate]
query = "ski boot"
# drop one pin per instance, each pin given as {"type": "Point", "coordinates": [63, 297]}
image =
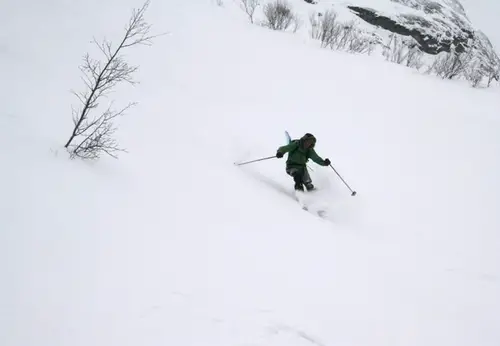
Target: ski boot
{"type": "Point", "coordinates": [309, 187]}
{"type": "Point", "coordinates": [299, 187]}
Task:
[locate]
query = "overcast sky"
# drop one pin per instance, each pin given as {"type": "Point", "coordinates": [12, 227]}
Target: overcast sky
{"type": "Point", "coordinates": [485, 15]}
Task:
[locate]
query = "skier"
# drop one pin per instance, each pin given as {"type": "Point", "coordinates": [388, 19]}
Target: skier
{"type": "Point", "coordinates": [299, 152]}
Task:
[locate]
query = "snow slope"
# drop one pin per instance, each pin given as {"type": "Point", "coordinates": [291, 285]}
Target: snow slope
{"type": "Point", "coordinates": [174, 245]}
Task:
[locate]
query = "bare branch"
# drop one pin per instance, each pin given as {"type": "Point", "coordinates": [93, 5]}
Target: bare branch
{"type": "Point", "coordinates": [80, 96]}
{"type": "Point", "coordinates": [99, 135]}
{"type": "Point", "coordinates": [100, 77]}
{"type": "Point", "coordinates": [249, 7]}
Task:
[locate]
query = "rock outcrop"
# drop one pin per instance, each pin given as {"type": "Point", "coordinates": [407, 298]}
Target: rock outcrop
{"type": "Point", "coordinates": [435, 26]}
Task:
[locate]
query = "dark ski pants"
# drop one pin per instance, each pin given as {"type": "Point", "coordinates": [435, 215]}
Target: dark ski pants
{"type": "Point", "coordinates": [300, 174]}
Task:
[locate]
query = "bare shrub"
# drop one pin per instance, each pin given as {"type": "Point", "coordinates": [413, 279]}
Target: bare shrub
{"type": "Point", "coordinates": [341, 39]}
{"type": "Point", "coordinates": [372, 40]}
{"type": "Point", "coordinates": [357, 43]}
{"type": "Point", "coordinates": [346, 36]}
{"type": "Point", "coordinates": [475, 64]}
{"type": "Point", "coordinates": [249, 7]}
{"type": "Point", "coordinates": [451, 65]}
{"type": "Point", "coordinates": [337, 35]}
{"type": "Point", "coordinates": [279, 16]}
{"type": "Point", "coordinates": [324, 27]}
{"type": "Point", "coordinates": [489, 61]}
{"type": "Point", "coordinates": [297, 23]}
{"type": "Point", "coordinates": [403, 51]}
{"type": "Point", "coordinates": [494, 75]}
{"type": "Point", "coordinates": [474, 74]}
{"type": "Point", "coordinates": [396, 50]}
{"type": "Point", "coordinates": [93, 134]}
{"type": "Point", "coordinates": [314, 21]}
{"type": "Point", "coordinates": [414, 58]}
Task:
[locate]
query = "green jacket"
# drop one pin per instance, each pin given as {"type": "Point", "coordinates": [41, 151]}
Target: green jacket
{"type": "Point", "coordinates": [298, 156]}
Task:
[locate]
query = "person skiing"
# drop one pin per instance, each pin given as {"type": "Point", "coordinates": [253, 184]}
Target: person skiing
{"type": "Point", "coordinates": [299, 152]}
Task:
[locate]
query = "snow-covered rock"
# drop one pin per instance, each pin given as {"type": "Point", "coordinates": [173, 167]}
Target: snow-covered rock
{"type": "Point", "coordinates": [437, 26]}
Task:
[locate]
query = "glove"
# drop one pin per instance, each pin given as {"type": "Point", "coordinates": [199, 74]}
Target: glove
{"type": "Point", "coordinates": [327, 162]}
{"type": "Point", "coordinates": [279, 154]}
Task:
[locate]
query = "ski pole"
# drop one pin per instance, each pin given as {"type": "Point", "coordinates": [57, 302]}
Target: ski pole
{"type": "Point", "coordinates": [353, 193]}
{"type": "Point", "coordinates": [264, 158]}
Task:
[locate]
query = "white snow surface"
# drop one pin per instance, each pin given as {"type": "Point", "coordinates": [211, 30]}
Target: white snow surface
{"type": "Point", "coordinates": [173, 244]}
